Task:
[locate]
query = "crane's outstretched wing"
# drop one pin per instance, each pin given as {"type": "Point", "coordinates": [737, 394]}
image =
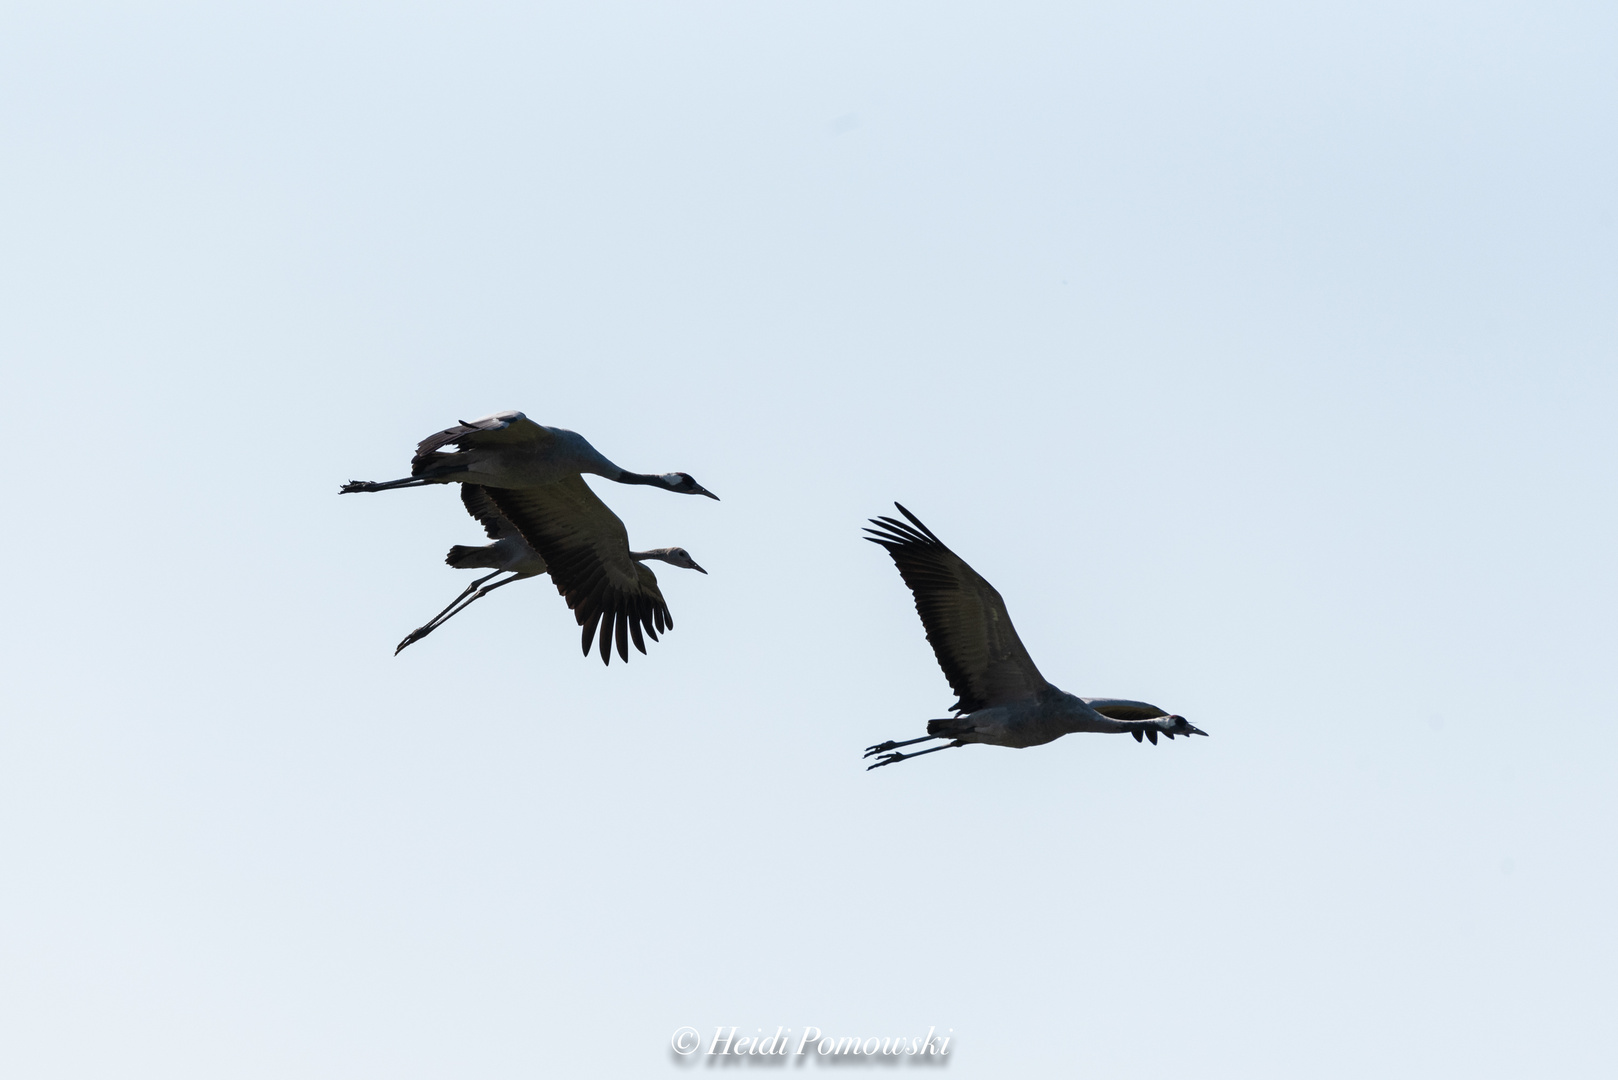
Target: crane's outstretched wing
{"type": "Point", "coordinates": [965, 619]}
{"type": "Point", "coordinates": [587, 549]}
{"type": "Point", "coordinates": [475, 497]}
{"type": "Point", "coordinates": [503, 429]}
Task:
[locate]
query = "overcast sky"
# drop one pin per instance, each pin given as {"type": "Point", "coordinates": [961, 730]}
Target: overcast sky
{"type": "Point", "coordinates": [1262, 356]}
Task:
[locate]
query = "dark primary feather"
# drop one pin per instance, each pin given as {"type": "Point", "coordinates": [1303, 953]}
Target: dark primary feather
{"type": "Point", "coordinates": [475, 497]}
{"type": "Point", "coordinates": [965, 618]}
{"type": "Point", "coordinates": [587, 550]}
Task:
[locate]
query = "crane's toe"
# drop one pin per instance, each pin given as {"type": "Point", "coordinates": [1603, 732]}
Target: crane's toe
{"type": "Point", "coordinates": [413, 637]}
{"type": "Point", "coordinates": [880, 748]}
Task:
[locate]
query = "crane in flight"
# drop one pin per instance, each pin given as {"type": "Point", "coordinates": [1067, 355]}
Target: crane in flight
{"type": "Point", "coordinates": [1001, 698]}
{"type": "Point", "coordinates": [530, 477]}
{"type": "Point", "coordinates": [508, 450]}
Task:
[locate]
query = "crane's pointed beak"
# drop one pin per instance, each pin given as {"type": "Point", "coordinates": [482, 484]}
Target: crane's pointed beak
{"type": "Point", "coordinates": [710, 494]}
{"type": "Point", "coordinates": [697, 568]}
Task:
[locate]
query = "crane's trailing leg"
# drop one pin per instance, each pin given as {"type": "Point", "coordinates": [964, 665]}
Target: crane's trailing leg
{"type": "Point", "coordinates": [459, 605]}
{"type": "Point", "coordinates": [936, 729]}
{"type": "Point", "coordinates": [468, 591]}
{"type": "Point", "coordinates": [371, 485]}
{"type": "Point", "coordinates": [432, 624]}
{"type": "Point", "coordinates": [882, 748]}
{"type": "Point", "coordinates": [889, 759]}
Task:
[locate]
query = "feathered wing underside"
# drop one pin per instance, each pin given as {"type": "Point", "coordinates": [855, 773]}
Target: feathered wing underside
{"type": "Point", "coordinates": [1122, 709]}
{"type": "Point", "coordinates": [475, 497]}
{"type": "Point", "coordinates": [504, 429]}
{"type": "Point", "coordinates": [587, 550]}
{"type": "Point", "coordinates": [965, 618]}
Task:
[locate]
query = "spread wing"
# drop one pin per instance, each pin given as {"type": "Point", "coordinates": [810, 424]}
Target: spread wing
{"type": "Point", "coordinates": [504, 429]}
{"type": "Point", "coordinates": [475, 497]}
{"type": "Point", "coordinates": [587, 549]}
{"type": "Point", "coordinates": [965, 619]}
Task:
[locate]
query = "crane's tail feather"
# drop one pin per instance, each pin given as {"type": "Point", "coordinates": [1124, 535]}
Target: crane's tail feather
{"type": "Point", "coordinates": [949, 727]}
{"type": "Point", "coordinates": [462, 557]}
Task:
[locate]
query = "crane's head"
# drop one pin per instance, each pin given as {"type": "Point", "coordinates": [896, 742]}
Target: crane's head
{"type": "Point", "coordinates": [682, 557]}
{"type": "Point", "coordinates": [1181, 726]}
{"type": "Point", "coordinates": [674, 556]}
{"type": "Point", "coordinates": [685, 484]}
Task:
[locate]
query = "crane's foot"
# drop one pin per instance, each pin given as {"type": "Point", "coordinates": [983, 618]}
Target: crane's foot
{"type": "Point", "coordinates": [371, 485]}
{"type": "Point", "coordinates": [889, 759]}
{"type": "Point", "coordinates": [882, 748]}
{"type": "Point", "coordinates": [414, 636]}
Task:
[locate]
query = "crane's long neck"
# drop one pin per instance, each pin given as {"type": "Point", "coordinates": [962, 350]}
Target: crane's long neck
{"type": "Point", "coordinates": [625, 477]}
{"type": "Point", "coordinates": [576, 451]}
{"type": "Point", "coordinates": [664, 554]}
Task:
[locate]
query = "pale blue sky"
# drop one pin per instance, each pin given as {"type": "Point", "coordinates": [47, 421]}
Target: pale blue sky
{"type": "Point", "coordinates": [1262, 355]}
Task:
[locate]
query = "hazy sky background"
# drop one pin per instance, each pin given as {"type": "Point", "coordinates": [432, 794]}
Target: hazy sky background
{"type": "Point", "coordinates": [1262, 355]}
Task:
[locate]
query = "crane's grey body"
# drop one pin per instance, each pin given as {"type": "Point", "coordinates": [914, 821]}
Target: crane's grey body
{"type": "Point", "coordinates": [1048, 717]}
{"type": "Point", "coordinates": [508, 450]}
{"type": "Point", "coordinates": [515, 464]}
{"type": "Point", "coordinates": [1002, 699]}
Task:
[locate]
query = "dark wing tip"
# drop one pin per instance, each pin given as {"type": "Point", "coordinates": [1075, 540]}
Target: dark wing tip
{"type": "Point", "coordinates": [893, 534]}
{"type": "Point", "coordinates": [916, 521]}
